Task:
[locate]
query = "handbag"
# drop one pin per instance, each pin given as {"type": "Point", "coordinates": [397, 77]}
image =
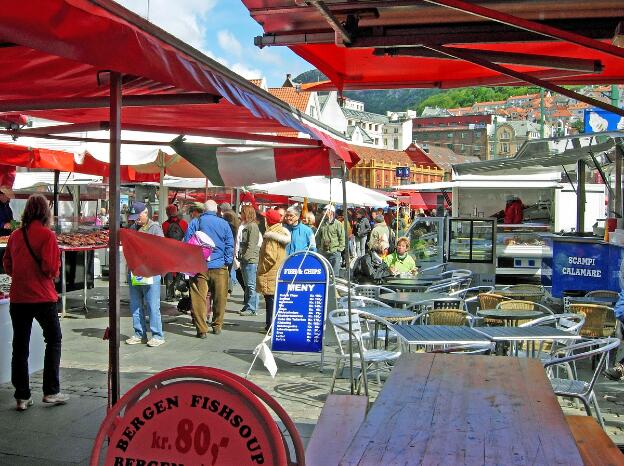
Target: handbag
{"type": "Point", "coordinates": [140, 281]}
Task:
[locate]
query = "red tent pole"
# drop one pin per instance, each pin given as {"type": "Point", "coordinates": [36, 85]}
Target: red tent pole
{"type": "Point", "coordinates": [114, 222]}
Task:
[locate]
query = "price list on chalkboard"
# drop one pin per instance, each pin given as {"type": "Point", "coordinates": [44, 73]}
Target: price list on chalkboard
{"type": "Point", "coordinates": [300, 306]}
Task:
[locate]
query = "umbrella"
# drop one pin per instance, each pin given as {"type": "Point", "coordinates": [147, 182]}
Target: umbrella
{"type": "Point", "coordinates": [323, 189]}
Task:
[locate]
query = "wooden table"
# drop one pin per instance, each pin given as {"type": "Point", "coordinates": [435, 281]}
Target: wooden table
{"type": "Point", "coordinates": [449, 409]}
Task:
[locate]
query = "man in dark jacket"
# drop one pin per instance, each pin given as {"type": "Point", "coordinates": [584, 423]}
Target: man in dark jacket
{"type": "Point", "coordinates": [362, 229]}
{"type": "Point", "coordinates": [370, 268]}
{"type": "Point", "coordinates": [216, 279]}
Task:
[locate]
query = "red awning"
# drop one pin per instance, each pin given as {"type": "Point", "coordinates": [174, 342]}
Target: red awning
{"type": "Point", "coordinates": [419, 200]}
{"type": "Point", "coordinates": [381, 44]}
{"type": "Point", "coordinates": [60, 50]}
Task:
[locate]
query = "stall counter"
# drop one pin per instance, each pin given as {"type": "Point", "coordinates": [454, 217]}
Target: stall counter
{"type": "Point", "coordinates": [35, 361]}
{"type": "Point", "coordinates": [584, 264]}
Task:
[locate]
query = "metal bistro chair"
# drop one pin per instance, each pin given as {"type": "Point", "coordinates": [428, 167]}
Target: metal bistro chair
{"type": "Point", "coordinates": [603, 294]}
{"type": "Point", "coordinates": [454, 317]}
{"type": "Point", "coordinates": [470, 296]}
{"type": "Point", "coordinates": [599, 320]}
{"type": "Point", "coordinates": [524, 292]}
{"type": "Point", "coordinates": [439, 268]}
{"type": "Point", "coordinates": [476, 348]}
{"type": "Point", "coordinates": [448, 286]}
{"type": "Point", "coordinates": [521, 305]}
{"type": "Point", "coordinates": [371, 291]}
{"type": "Point", "coordinates": [569, 323]}
{"type": "Point", "coordinates": [579, 389]}
{"type": "Point", "coordinates": [361, 303]}
{"type": "Point", "coordinates": [367, 357]}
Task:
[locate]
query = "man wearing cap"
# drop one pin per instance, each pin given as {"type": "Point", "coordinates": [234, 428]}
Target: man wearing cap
{"type": "Point", "coordinates": [145, 291]}
{"type": "Point", "coordinates": [301, 236]}
{"type": "Point", "coordinates": [331, 239]}
{"type": "Point", "coordinates": [224, 207]}
{"type": "Point", "coordinates": [174, 228]}
{"type": "Point", "coordinates": [216, 279]}
{"type": "Point", "coordinates": [6, 214]}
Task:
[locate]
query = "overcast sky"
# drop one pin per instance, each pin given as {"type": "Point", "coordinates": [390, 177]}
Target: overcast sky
{"type": "Point", "coordinates": [224, 31]}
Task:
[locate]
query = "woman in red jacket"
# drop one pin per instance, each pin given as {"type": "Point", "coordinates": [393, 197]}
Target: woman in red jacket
{"type": "Point", "coordinates": [32, 258]}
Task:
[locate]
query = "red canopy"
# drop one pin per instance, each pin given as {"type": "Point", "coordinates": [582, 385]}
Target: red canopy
{"type": "Point", "coordinates": [381, 44]}
{"type": "Point", "coordinates": [55, 52]}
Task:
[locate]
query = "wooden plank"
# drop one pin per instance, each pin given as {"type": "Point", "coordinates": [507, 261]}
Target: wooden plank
{"type": "Point", "coordinates": [595, 446]}
{"type": "Point", "coordinates": [338, 423]}
{"type": "Point", "coordinates": [388, 417]}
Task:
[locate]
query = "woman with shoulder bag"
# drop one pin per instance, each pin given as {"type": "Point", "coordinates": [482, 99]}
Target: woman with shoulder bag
{"type": "Point", "coordinates": [33, 260]}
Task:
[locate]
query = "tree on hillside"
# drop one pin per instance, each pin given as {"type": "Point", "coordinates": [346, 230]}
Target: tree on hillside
{"type": "Point", "coordinates": [466, 97]}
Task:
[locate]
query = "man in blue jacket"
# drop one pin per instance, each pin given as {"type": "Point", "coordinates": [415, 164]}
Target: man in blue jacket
{"type": "Point", "coordinates": [216, 279]}
{"type": "Point", "coordinates": [301, 236]}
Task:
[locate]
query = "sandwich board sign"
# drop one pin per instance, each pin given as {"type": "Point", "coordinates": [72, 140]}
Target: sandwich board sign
{"type": "Point", "coordinates": [300, 304]}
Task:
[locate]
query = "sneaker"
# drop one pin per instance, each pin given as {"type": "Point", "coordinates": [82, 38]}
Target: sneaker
{"type": "Point", "coordinates": [56, 399]}
{"type": "Point", "coordinates": [616, 372]}
{"type": "Point", "coordinates": [23, 405]}
{"type": "Point", "coordinates": [247, 312]}
{"type": "Point", "coordinates": [154, 342]}
{"type": "Point", "coordinates": [135, 340]}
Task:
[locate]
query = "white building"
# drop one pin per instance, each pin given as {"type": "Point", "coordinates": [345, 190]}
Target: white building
{"type": "Point", "coordinates": [397, 133]}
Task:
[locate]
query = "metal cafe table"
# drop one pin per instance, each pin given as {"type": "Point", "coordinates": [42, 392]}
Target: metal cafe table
{"type": "Point", "coordinates": [426, 335]}
{"type": "Point", "coordinates": [532, 334]}
{"type": "Point", "coordinates": [509, 316]}
{"type": "Point", "coordinates": [390, 314]}
{"type": "Point", "coordinates": [470, 410]}
{"type": "Point", "coordinates": [408, 284]}
{"type": "Point", "coordinates": [410, 298]}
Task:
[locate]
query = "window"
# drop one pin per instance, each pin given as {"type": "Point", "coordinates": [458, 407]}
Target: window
{"type": "Point", "coordinates": [463, 135]}
{"type": "Point", "coordinates": [385, 131]}
{"type": "Point", "coordinates": [376, 141]}
{"type": "Point", "coordinates": [449, 135]}
{"type": "Point", "coordinates": [505, 134]}
{"type": "Point", "coordinates": [396, 143]}
{"type": "Point", "coordinates": [450, 146]}
{"type": "Point", "coordinates": [396, 130]}
{"type": "Point", "coordinates": [505, 148]}
{"type": "Point", "coordinates": [461, 147]}
{"type": "Point", "coordinates": [386, 142]}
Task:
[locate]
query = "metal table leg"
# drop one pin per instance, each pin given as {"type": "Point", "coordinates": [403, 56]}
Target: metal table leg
{"type": "Point", "coordinates": [86, 276]}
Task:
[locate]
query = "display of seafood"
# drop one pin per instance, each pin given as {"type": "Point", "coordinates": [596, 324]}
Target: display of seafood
{"type": "Point", "coordinates": [518, 241]}
{"type": "Point", "coordinates": [5, 286]}
{"type": "Point", "coordinates": [77, 240]}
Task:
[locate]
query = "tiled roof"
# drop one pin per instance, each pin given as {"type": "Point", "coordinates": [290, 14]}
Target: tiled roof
{"type": "Point", "coordinates": [299, 100]}
{"type": "Point", "coordinates": [561, 113]}
{"type": "Point", "coordinates": [444, 157]}
{"type": "Point", "coordinates": [364, 116]}
{"type": "Point", "coordinates": [386, 155]}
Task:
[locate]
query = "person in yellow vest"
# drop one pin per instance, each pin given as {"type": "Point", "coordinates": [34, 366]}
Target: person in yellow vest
{"type": "Point", "coordinates": [400, 261]}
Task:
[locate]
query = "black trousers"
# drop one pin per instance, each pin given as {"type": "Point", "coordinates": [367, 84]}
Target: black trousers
{"type": "Point", "coordinates": [268, 300]}
{"type": "Point", "coordinates": [22, 316]}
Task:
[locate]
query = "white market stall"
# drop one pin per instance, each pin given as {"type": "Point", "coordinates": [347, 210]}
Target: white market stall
{"type": "Point", "coordinates": [324, 189]}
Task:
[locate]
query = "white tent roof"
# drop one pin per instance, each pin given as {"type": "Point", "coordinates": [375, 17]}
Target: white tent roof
{"type": "Point", "coordinates": [542, 180]}
{"type": "Point", "coordinates": [26, 180]}
{"type": "Point", "coordinates": [320, 189]}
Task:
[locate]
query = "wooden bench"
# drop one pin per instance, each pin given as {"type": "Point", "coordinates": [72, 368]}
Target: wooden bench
{"type": "Point", "coordinates": [340, 419]}
{"type": "Point", "coordinates": [594, 444]}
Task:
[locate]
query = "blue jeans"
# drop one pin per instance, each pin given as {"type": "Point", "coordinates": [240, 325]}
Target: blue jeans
{"type": "Point", "coordinates": [146, 298]}
{"type": "Point", "coordinates": [335, 259]}
{"type": "Point", "coordinates": [249, 276]}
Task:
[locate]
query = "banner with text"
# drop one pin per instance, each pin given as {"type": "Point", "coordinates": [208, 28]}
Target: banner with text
{"type": "Point", "coordinates": [300, 304]}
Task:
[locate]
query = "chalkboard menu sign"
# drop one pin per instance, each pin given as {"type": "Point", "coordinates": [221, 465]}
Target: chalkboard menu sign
{"type": "Point", "coordinates": [300, 304]}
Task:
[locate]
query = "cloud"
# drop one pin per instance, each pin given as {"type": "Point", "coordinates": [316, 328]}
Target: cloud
{"type": "Point", "coordinates": [183, 19]}
{"type": "Point", "coordinates": [229, 43]}
{"type": "Point", "coordinates": [269, 57]}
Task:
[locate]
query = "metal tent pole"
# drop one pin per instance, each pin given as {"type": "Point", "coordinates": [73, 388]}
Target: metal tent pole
{"type": "Point", "coordinates": [57, 175]}
{"type": "Point", "coordinates": [348, 260]}
{"type": "Point", "coordinates": [619, 153]}
{"type": "Point", "coordinates": [114, 222]}
{"type": "Point", "coordinates": [162, 195]}
{"type": "Point", "coordinates": [580, 196]}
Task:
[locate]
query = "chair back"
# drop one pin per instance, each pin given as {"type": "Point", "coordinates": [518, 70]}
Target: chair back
{"type": "Point", "coordinates": [454, 317]}
{"type": "Point", "coordinates": [360, 302]}
{"type": "Point", "coordinates": [603, 294]}
{"type": "Point", "coordinates": [490, 300]}
{"type": "Point", "coordinates": [448, 303]}
{"type": "Point", "coordinates": [447, 286]}
{"type": "Point", "coordinates": [371, 291]}
{"type": "Point", "coordinates": [525, 292]}
{"type": "Point", "coordinates": [599, 319]}
{"type": "Point", "coordinates": [434, 268]}
{"type": "Point", "coordinates": [340, 323]}
{"type": "Point", "coordinates": [585, 349]}
{"type": "Point", "coordinates": [342, 290]}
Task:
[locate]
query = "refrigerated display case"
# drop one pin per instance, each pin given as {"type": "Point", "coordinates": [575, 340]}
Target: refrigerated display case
{"type": "Point", "coordinates": [521, 248]}
{"type": "Point", "coordinates": [471, 245]}
{"type": "Point", "coordinates": [426, 237]}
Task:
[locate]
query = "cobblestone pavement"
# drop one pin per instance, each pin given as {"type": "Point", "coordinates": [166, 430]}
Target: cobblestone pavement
{"type": "Point", "coordinates": [64, 435]}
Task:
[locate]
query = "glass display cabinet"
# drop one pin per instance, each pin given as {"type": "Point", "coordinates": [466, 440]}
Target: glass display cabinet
{"type": "Point", "coordinates": [520, 248]}
{"type": "Point", "coordinates": [426, 237]}
{"type": "Point", "coordinates": [471, 240]}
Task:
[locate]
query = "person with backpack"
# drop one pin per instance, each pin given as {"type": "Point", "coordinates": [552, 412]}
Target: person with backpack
{"type": "Point", "coordinates": [362, 229]}
{"type": "Point", "coordinates": [371, 268]}
{"type": "Point", "coordinates": [175, 228]}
